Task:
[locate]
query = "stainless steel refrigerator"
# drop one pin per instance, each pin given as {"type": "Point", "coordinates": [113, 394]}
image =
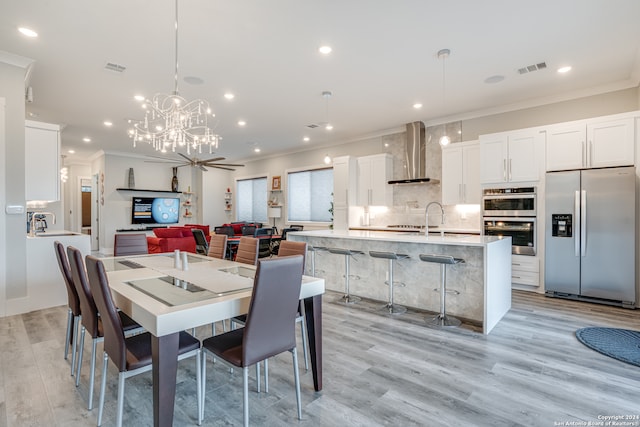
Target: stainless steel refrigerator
{"type": "Point", "coordinates": [591, 235]}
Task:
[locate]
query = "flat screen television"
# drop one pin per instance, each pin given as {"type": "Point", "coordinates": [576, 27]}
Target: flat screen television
{"type": "Point", "coordinates": [155, 210]}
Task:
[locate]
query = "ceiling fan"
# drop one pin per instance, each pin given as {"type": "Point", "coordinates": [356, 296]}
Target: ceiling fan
{"type": "Point", "coordinates": [196, 163]}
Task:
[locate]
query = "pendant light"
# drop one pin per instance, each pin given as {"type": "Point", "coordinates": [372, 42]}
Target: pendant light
{"type": "Point", "coordinates": [443, 54]}
{"type": "Point", "coordinates": [327, 126]}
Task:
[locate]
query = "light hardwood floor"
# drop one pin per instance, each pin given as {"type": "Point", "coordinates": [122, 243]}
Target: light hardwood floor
{"type": "Point", "coordinates": [378, 370]}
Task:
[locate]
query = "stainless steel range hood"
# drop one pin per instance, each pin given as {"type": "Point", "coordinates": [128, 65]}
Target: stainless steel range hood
{"type": "Point", "coordinates": [415, 156]}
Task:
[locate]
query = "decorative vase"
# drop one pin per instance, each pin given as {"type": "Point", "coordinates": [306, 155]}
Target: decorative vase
{"type": "Point", "coordinates": [174, 180]}
{"type": "Point", "coordinates": [132, 180]}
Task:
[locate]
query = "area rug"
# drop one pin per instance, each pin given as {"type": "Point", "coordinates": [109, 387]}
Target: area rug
{"type": "Point", "coordinates": [621, 344]}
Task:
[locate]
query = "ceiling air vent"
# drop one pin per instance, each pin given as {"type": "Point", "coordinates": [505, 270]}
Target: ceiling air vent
{"type": "Point", "coordinates": [313, 126]}
{"type": "Point", "coordinates": [112, 66]}
{"type": "Point", "coordinates": [532, 68]}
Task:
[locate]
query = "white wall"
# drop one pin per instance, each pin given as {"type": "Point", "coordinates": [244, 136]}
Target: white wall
{"type": "Point", "coordinates": [116, 212]}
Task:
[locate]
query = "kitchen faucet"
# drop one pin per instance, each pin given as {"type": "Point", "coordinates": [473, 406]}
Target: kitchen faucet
{"type": "Point", "coordinates": [32, 228]}
{"type": "Point", "coordinates": [426, 216]}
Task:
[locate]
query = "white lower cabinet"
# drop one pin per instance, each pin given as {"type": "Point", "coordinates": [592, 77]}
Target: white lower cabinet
{"type": "Point", "coordinates": [525, 270]}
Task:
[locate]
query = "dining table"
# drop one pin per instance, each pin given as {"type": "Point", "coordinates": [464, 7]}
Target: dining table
{"type": "Point", "coordinates": [166, 297]}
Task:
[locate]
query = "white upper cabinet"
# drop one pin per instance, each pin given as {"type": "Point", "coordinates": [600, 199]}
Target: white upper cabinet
{"type": "Point", "coordinates": [593, 143]}
{"type": "Point", "coordinates": [461, 173]}
{"type": "Point", "coordinates": [509, 157]}
{"type": "Point", "coordinates": [344, 181]}
{"type": "Point", "coordinates": [42, 161]}
{"type": "Point", "coordinates": [373, 173]}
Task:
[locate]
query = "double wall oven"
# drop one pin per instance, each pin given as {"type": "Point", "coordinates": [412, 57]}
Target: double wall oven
{"type": "Point", "coordinates": [511, 212]}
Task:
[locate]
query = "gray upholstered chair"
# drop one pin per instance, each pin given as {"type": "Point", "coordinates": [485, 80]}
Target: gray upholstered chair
{"type": "Point", "coordinates": [132, 355]}
{"type": "Point", "coordinates": [248, 250]}
{"type": "Point", "coordinates": [89, 318]}
{"type": "Point", "coordinates": [218, 246]}
{"type": "Point", "coordinates": [202, 246]}
{"type": "Point", "coordinates": [73, 301]}
{"type": "Point", "coordinates": [270, 326]}
{"type": "Point", "coordinates": [130, 244]}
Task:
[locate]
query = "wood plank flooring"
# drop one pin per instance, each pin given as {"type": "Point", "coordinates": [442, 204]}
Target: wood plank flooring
{"type": "Point", "coordinates": [378, 371]}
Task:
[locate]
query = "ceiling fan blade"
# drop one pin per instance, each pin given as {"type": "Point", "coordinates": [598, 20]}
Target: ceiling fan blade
{"type": "Point", "coordinates": [187, 158]}
{"type": "Point", "coordinates": [213, 159]}
{"type": "Point", "coordinates": [203, 168]}
{"type": "Point", "coordinates": [220, 167]}
{"type": "Point", "coordinates": [222, 164]}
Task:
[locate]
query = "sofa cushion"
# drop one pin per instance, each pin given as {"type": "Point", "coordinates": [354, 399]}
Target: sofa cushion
{"type": "Point", "coordinates": [168, 232]}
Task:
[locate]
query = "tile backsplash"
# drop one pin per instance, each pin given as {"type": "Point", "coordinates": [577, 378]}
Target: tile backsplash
{"type": "Point", "coordinates": [410, 200]}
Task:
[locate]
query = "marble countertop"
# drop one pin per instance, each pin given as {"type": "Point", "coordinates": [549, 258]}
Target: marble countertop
{"type": "Point", "coordinates": [402, 237]}
{"type": "Point", "coordinates": [55, 233]}
{"type": "Point", "coordinates": [419, 230]}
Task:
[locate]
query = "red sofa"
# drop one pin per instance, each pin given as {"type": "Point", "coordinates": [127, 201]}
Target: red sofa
{"type": "Point", "coordinates": [170, 239]}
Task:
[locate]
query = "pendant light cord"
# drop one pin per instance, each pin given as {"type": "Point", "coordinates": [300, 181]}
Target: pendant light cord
{"type": "Point", "coordinates": [175, 77]}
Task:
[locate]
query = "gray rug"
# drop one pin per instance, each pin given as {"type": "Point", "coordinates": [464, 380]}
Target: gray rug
{"type": "Point", "coordinates": [621, 344]}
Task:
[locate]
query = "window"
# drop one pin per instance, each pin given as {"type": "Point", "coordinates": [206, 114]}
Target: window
{"type": "Point", "coordinates": [309, 195]}
{"type": "Point", "coordinates": [252, 199]}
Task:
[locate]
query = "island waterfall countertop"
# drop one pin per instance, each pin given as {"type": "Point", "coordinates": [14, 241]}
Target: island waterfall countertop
{"type": "Point", "coordinates": [483, 280]}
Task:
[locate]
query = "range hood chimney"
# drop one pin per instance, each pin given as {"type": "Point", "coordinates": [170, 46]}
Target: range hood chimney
{"type": "Point", "coordinates": [415, 156]}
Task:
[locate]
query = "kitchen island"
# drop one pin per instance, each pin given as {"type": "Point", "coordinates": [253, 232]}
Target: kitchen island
{"type": "Point", "coordinates": [484, 280]}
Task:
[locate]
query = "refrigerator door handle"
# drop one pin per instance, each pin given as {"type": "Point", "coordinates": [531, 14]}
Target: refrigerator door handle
{"type": "Point", "coordinates": [583, 223]}
{"type": "Point", "coordinates": [576, 215]}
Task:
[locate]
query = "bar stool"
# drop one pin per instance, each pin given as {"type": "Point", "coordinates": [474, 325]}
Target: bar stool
{"type": "Point", "coordinates": [391, 256]}
{"type": "Point", "coordinates": [442, 319]}
{"type": "Point", "coordinates": [313, 250]}
{"type": "Point", "coordinates": [348, 253]}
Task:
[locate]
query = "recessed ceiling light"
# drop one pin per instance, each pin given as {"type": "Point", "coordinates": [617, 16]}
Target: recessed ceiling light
{"type": "Point", "coordinates": [107, 123]}
{"type": "Point", "coordinates": [417, 106]}
{"type": "Point", "coordinates": [564, 69]}
{"type": "Point", "coordinates": [86, 139]}
{"type": "Point", "coordinates": [329, 126]}
{"type": "Point", "coordinates": [306, 139]}
{"type": "Point", "coordinates": [241, 123]}
{"type": "Point", "coordinates": [494, 79]}
{"type": "Point", "coordinates": [325, 50]}
{"type": "Point", "coordinates": [229, 95]}
{"type": "Point", "coordinates": [71, 151]}
{"type": "Point", "coordinates": [256, 150]}
{"type": "Point", "coordinates": [28, 32]}
{"type": "Point", "coordinates": [139, 98]}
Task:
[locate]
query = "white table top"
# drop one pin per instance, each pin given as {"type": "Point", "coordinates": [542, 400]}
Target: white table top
{"type": "Point", "coordinates": [169, 305]}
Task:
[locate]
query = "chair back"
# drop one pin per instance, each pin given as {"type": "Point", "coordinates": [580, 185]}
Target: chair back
{"type": "Point", "coordinates": [290, 248]}
{"type": "Point", "coordinates": [224, 229]}
{"type": "Point", "coordinates": [248, 230]}
{"type": "Point", "coordinates": [297, 227]}
{"type": "Point", "coordinates": [271, 319]}
{"type": "Point", "coordinates": [248, 250]}
{"type": "Point", "coordinates": [114, 343]}
{"type": "Point", "coordinates": [65, 269]}
{"type": "Point", "coordinates": [218, 246]}
{"type": "Point", "coordinates": [87, 304]}
{"type": "Point", "coordinates": [264, 248]}
{"type": "Point", "coordinates": [130, 244]}
{"type": "Point", "coordinates": [283, 234]}
{"type": "Point", "coordinates": [202, 247]}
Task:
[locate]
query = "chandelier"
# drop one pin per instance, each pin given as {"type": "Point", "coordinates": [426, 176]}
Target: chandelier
{"type": "Point", "coordinates": [172, 121]}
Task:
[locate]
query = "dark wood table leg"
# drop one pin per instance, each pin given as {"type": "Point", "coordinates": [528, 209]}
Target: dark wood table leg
{"type": "Point", "coordinates": [165, 367]}
{"type": "Point", "coordinates": [313, 317]}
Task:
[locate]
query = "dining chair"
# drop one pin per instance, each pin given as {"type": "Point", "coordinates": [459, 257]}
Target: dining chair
{"type": "Point", "coordinates": [130, 244]}
{"type": "Point", "coordinates": [90, 320]}
{"type": "Point", "coordinates": [248, 230]}
{"type": "Point", "coordinates": [248, 250]}
{"type": "Point", "coordinates": [264, 235]}
{"type": "Point", "coordinates": [224, 229]}
{"type": "Point", "coordinates": [218, 246]}
{"type": "Point", "coordinates": [270, 326]}
{"type": "Point", "coordinates": [73, 301]}
{"type": "Point", "coordinates": [131, 355]}
{"type": "Point", "coordinates": [202, 247]}
{"type": "Point", "coordinates": [297, 227]}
